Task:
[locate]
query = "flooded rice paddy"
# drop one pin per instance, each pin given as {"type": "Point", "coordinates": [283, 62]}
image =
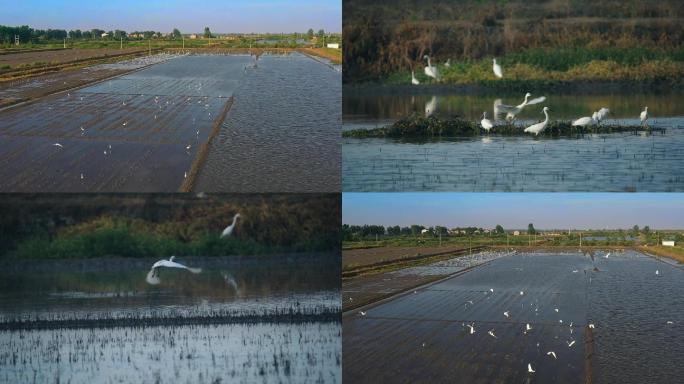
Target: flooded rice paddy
{"type": "Point", "coordinates": [148, 131]}
{"type": "Point", "coordinates": [425, 335]}
{"type": "Point", "coordinates": [250, 319]}
{"type": "Point", "coordinates": [597, 162]}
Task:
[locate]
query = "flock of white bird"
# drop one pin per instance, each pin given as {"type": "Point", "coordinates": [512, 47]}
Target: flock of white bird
{"type": "Point", "coordinates": [153, 274]}
{"type": "Point", "coordinates": [512, 111]}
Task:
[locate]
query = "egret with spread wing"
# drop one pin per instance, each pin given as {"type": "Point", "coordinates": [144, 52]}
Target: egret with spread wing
{"type": "Point", "coordinates": [153, 274]}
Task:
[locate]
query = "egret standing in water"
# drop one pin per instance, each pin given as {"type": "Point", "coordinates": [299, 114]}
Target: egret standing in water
{"type": "Point", "coordinates": [485, 122]}
{"type": "Point", "coordinates": [536, 128]}
{"type": "Point", "coordinates": [431, 107]}
{"type": "Point", "coordinates": [153, 274]}
{"type": "Point", "coordinates": [602, 113]}
{"type": "Point", "coordinates": [497, 69]}
{"type": "Point", "coordinates": [414, 81]}
{"type": "Point", "coordinates": [229, 229]}
{"type": "Point", "coordinates": [585, 121]}
{"type": "Point", "coordinates": [431, 71]}
{"type": "Point", "coordinates": [644, 116]}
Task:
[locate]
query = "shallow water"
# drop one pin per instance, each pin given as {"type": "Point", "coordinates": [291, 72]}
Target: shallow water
{"type": "Point", "coordinates": [142, 131]}
{"type": "Point", "coordinates": [423, 335]}
{"type": "Point", "coordinates": [246, 319]}
{"type": "Point", "coordinates": [605, 162]}
{"type": "Point", "coordinates": [282, 132]}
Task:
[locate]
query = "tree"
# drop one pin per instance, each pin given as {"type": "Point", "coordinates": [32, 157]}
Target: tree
{"type": "Point", "coordinates": [321, 33]}
{"type": "Point", "coordinates": [647, 229]}
{"type": "Point", "coordinates": [499, 230]}
{"type": "Point", "coordinates": [310, 33]}
{"type": "Point", "coordinates": [441, 230]}
{"type": "Point", "coordinates": [635, 230]}
{"type": "Point", "coordinates": [530, 229]}
{"type": "Point", "coordinates": [207, 33]}
{"type": "Point", "coordinates": [176, 33]}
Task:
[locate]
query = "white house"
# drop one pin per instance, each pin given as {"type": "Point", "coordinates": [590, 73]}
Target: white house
{"type": "Point", "coordinates": [516, 233]}
{"type": "Point", "coordinates": [333, 45]}
{"type": "Point", "coordinates": [104, 35]}
{"type": "Point", "coordinates": [668, 243]}
{"type": "Point", "coordinates": [424, 231]}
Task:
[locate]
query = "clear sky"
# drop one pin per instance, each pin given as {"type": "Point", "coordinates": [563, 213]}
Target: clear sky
{"type": "Point", "coordinates": [221, 16]}
{"type": "Point", "coordinates": [516, 210]}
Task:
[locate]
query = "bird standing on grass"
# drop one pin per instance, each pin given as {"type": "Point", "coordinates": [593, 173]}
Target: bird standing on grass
{"type": "Point", "coordinates": [498, 72]}
{"type": "Point", "coordinates": [229, 229]}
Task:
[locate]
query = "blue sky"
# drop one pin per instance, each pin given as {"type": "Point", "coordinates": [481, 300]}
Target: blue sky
{"type": "Point", "coordinates": [187, 15]}
{"type": "Point", "coordinates": [516, 210]}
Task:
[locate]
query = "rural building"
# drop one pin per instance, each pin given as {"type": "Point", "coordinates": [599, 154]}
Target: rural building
{"type": "Point", "coordinates": [668, 243]}
{"type": "Point", "coordinates": [516, 233]}
{"type": "Point", "coordinates": [334, 45]}
{"type": "Point", "coordinates": [193, 36]}
{"type": "Point", "coordinates": [104, 35]}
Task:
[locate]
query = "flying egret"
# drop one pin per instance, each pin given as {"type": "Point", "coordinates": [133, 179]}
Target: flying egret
{"type": "Point", "coordinates": [513, 110]}
{"type": "Point", "coordinates": [58, 145]}
{"type": "Point", "coordinates": [644, 116]}
{"type": "Point", "coordinates": [497, 69]}
{"type": "Point", "coordinates": [431, 71]}
{"type": "Point", "coordinates": [414, 81]}
{"type": "Point", "coordinates": [485, 122]}
{"type": "Point", "coordinates": [506, 314]}
{"type": "Point", "coordinates": [571, 343]}
{"type": "Point", "coordinates": [153, 274]}
{"type": "Point", "coordinates": [431, 107]}
{"type": "Point", "coordinates": [362, 313]}
{"type": "Point", "coordinates": [552, 353]}
{"type": "Point", "coordinates": [529, 368]}
{"type": "Point", "coordinates": [536, 128]}
{"type": "Point", "coordinates": [491, 333]}
{"type": "Point", "coordinates": [229, 229]}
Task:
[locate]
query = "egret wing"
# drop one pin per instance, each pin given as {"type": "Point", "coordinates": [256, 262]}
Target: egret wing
{"type": "Point", "coordinates": [536, 100]}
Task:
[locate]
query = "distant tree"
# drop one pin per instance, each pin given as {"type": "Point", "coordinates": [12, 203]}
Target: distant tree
{"type": "Point", "coordinates": [441, 230]}
{"type": "Point", "coordinates": [87, 35]}
{"type": "Point", "coordinates": [321, 33]}
{"type": "Point", "coordinates": [310, 33]}
{"type": "Point", "coordinates": [176, 33]}
{"type": "Point", "coordinates": [405, 231]}
{"type": "Point", "coordinates": [415, 229]}
{"type": "Point", "coordinates": [119, 34]}
{"type": "Point", "coordinates": [207, 32]}
{"type": "Point", "coordinates": [647, 230]}
{"type": "Point", "coordinates": [635, 230]}
{"type": "Point", "coordinates": [394, 231]}
{"type": "Point", "coordinates": [530, 229]}
{"type": "Point", "coordinates": [499, 230]}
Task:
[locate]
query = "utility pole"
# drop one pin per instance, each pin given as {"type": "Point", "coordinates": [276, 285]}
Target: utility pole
{"type": "Point", "coordinates": [65, 43]}
{"type": "Point", "coordinates": [16, 40]}
{"type": "Point", "coordinates": [183, 38]}
{"type": "Point", "coordinates": [121, 46]}
{"type": "Point", "coordinates": [580, 239]}
{"type": "Point", "coordinates": [149, 45]}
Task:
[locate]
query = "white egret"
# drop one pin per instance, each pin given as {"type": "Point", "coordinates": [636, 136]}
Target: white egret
{"type": "Point", "coordinates": [644, 116]}
{"type": "Point", "coordinates": [153, 274]}
{"type": "Point", "coordinates": [528, 327]}
{"type": "Point", "coordinates": [362, 313]}
{"type": "Point", "coordinates": [529, 368]}
{"type": "Point", "coordinates": [414, 81]}
{"type": "Point", "coordinates": [431, 71]}
{"type": "Point", "coordinates": [472, 328]}
{"type": "Point", "coordinates": [522, 293]}
{"type": "Point", "coordinates": [571, 343]}
{"type": "Point", "coordinates": [585, 121]}
{"type": "Point", "coordinates": [497, 69]}
{"type": "Point", "coordinates": [485, 122]}
{"type": "Point", "coordinates": [491, 290]}
{"type": "Point", "coordinates": [536, 128]}
{"type": "Point", "coordinates": [657, 272]}
{"type": "Point", "coordinates": [491, 333]}
{"type": "Point", "coordinates": [230, 280]}
{"type": "Point", "coordinates": [556, 309]}
{"type": "Point", "coordinates": [431, 107]}
{"type": "Point", "coordinates": [552, 353]}
{"type": "Point", "coordinates": [58, 145]}
{"type": "Point", "coordinates": [602, 113]}
{"type": "Point", "coordinates": [591, 326]}
{"type": "Point", "coordinates": [607, 254]}
{"type": "Point", "coordinates": [513, 110]}
{"type": "Point", "coordinates": [506, 314]}
{"type": "Point", "coordinates": [447, 63]}
{"type": "Point", "coordinates": [229, 229]}
{"type": "Point", "coordinates": [670, 322]}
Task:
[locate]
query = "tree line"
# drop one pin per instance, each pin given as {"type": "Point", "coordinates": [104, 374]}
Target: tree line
{"type": "Point", "coordinates": [350, 232]}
